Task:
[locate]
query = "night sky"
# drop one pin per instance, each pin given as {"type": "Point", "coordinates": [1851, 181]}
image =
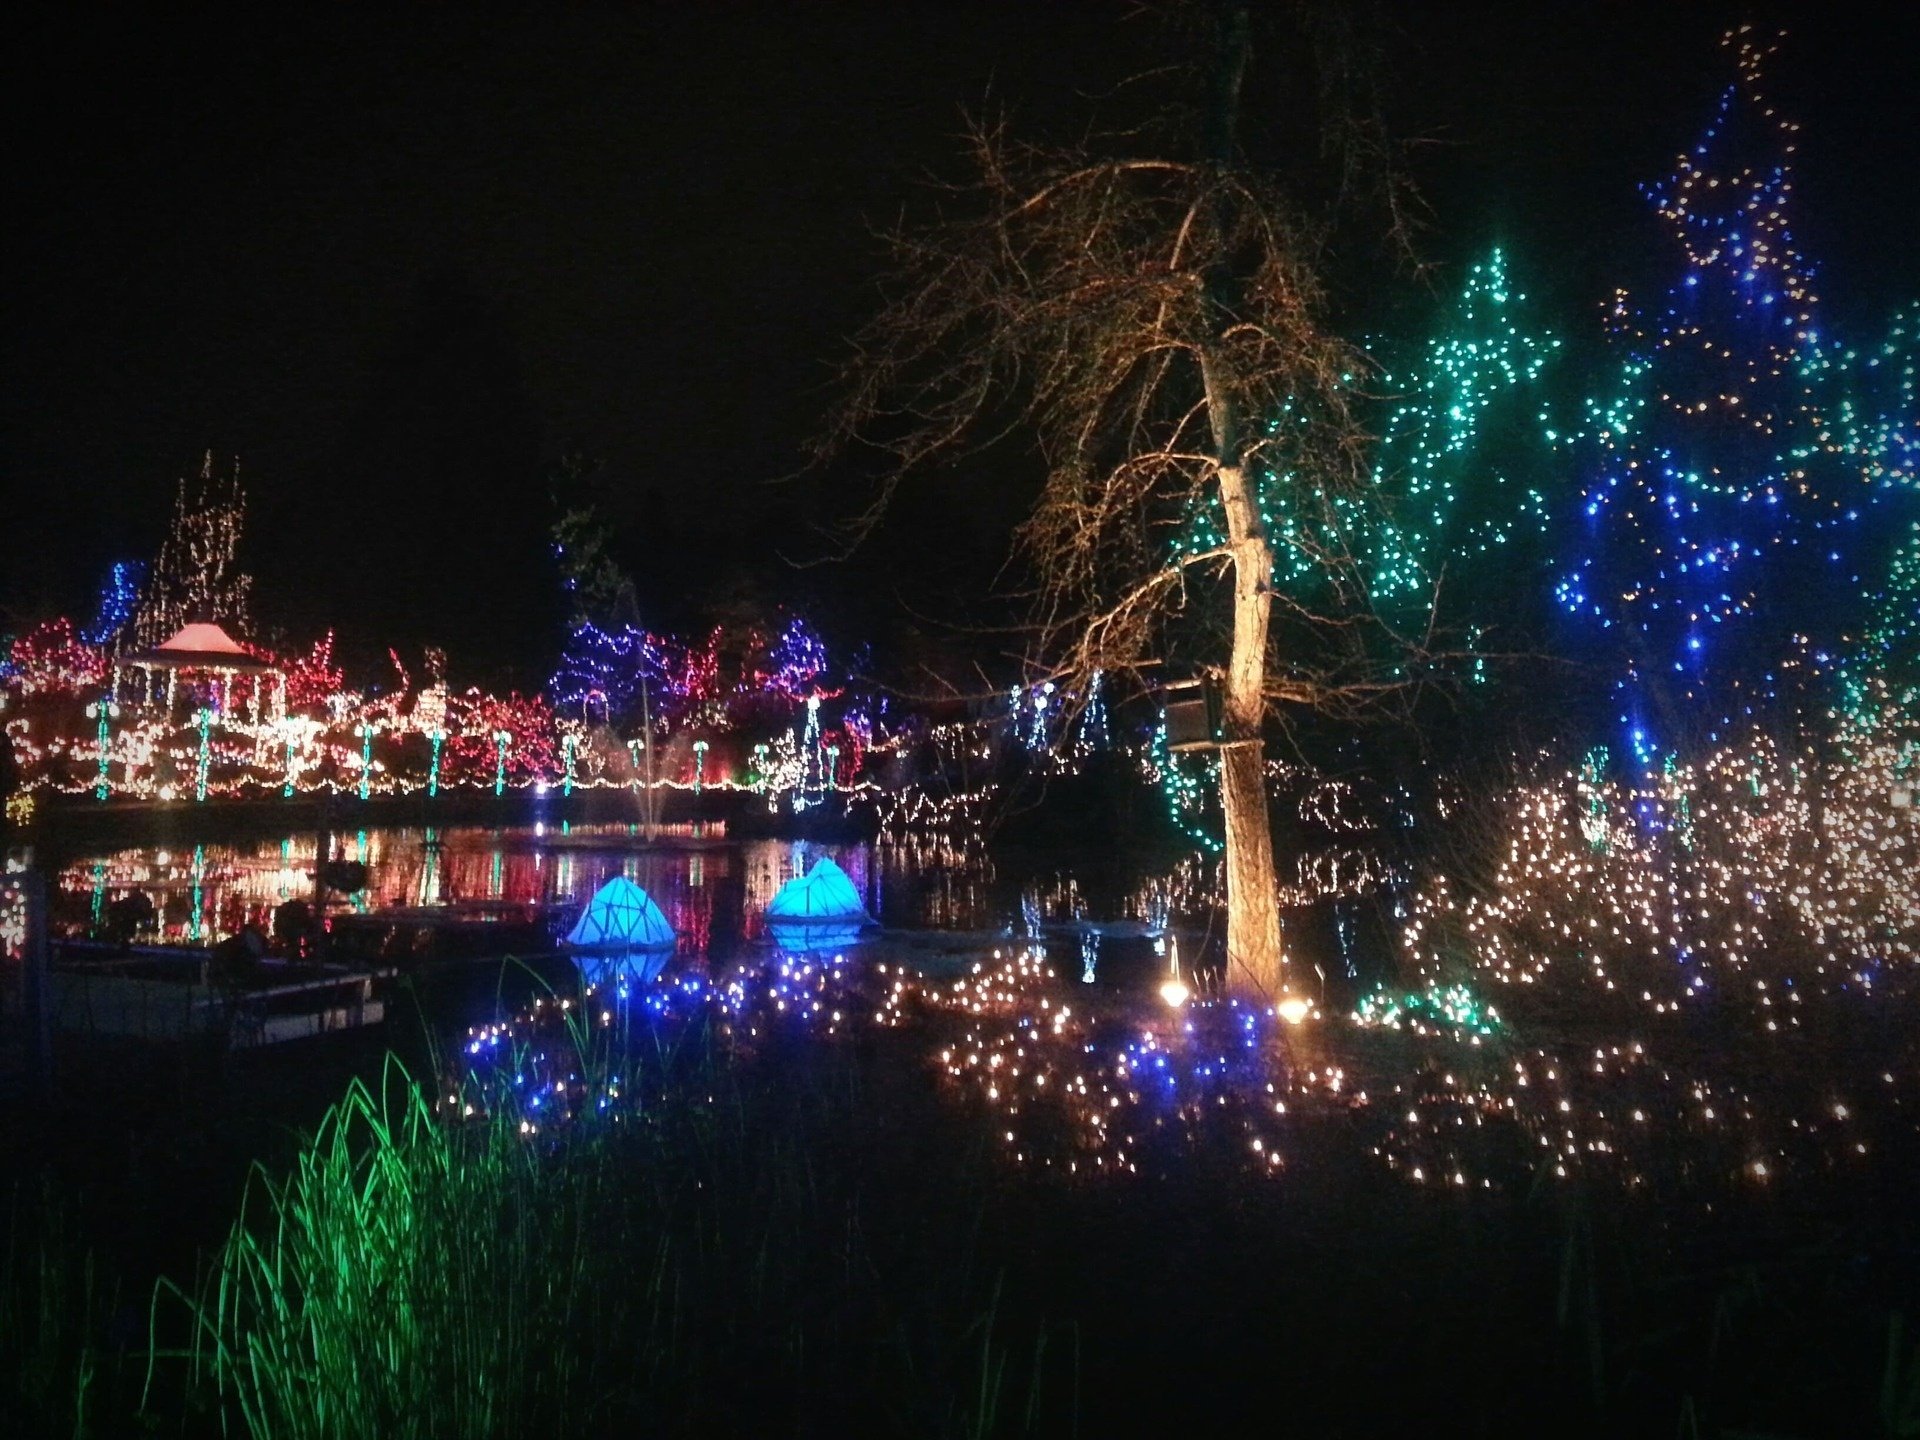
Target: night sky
{"type": "Point", "coordinates": [397, 258]}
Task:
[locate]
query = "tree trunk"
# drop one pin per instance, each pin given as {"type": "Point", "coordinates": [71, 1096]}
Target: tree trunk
{"type": "Point", "coordinates": [1256, 965]}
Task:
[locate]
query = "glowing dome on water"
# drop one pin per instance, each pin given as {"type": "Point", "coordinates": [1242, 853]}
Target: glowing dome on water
{"type": "Point", "coordinates": [824, 895]}
{"type": "Point", "coordinates": [621, 916]}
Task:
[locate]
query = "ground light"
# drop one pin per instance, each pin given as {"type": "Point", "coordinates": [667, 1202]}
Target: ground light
{"type": "Point", "coordinates": [1174, 990]}
{"type": "Point", "coordinates": [1294, 1008]}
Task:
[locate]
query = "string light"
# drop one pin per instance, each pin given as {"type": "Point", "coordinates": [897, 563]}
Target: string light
{"type": "Point", "coordinates": [1438, 495]}
{"type": "Point", "coordinates": [196, 576]}
{"type": "Point", "coordinates": [119, 597]}
{"type": "Point", "coordinates": [1730, 466]}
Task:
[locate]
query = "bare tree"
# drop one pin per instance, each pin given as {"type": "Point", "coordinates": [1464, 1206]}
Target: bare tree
{"type": "Point", "coordinates": [1155, 315]}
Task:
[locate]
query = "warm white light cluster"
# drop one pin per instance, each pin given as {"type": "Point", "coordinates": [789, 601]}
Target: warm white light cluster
{"type": "Point", "coordinates": [1757, 873]}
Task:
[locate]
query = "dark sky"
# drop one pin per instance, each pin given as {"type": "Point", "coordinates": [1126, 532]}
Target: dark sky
{"type": "Point", "coordinates": [396, 257]}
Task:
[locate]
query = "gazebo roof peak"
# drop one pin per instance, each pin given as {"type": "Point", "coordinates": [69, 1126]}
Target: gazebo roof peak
{"type": "Point", "coordinates": [202, 637]}
{"type": "Point", "coordinates": [201, 645]}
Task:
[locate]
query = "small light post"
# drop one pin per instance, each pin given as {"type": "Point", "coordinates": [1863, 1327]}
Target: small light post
{"type": "Point", "coordinates": [103, 711]}
{"type": "Point", "coordinates": [365, 732]}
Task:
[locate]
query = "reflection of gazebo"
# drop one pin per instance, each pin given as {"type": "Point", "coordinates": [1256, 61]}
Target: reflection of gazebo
{"type": "Point", "coordinates": [201, 648]}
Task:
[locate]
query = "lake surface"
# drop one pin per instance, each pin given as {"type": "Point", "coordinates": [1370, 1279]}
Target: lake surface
{"type": "Point", "coordinates": [1035, 994]}
{"type": "Point", "coordinates": [714, 891]}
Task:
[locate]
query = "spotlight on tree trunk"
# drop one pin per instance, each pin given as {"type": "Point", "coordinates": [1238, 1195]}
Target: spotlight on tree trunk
{"type": "Point", "coordinates": [1151, 308]}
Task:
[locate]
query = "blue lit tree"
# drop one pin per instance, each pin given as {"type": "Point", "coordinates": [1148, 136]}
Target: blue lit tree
{"type": "Point", "coordinates": [119, 599]}
{"type": "Point", "coordinates": [1719, 556]}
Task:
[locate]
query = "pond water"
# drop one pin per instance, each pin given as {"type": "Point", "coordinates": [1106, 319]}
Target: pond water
{"type": "Point", "coordinates": [714, 892]}
{"type": "Point", "coordinates": [1040, 996]}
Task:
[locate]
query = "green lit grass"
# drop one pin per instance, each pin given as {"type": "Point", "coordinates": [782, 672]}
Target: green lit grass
{"type": "Point", "coordinates": [693, 1264]}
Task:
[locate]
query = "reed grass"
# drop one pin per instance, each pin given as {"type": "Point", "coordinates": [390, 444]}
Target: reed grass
{"type": "Point", "coordinates": [57, 1369]}
{"type": "Point", "coordinates": [686, 1263]}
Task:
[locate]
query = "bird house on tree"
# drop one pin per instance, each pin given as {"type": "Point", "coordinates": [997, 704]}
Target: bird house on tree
{"type": "Point", "coordinates": [1195, 714]}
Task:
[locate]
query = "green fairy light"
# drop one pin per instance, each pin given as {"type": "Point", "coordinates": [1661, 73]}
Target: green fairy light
{"type": "Point", "coordinates": [104, 711]}
{"type": "Point", "coordinates": [1461, 472]}
{"type": "Point", "coordinates": [500, 739]}
{"type": "Point", "coordinates": [1682, 801]}
{"type": "Point", "coordinates": [1454, 1007]}
{"type": "Point", "coordinates": [1186, 794]}
{"type": "Point", "coordinates": [366, 757]}
{"type": "Point", "coordinates": [1593, 822]}
{"type": "Point", "coordinates": [438, 737]}
{"type": "Point", "coordinates": [1450, 492]}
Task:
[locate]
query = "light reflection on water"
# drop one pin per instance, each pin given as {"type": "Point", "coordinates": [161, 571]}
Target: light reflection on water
{"type": "Point", "coordinates": [1062, 1038]}
{"type": "Point", "coordinates": [203, 892]}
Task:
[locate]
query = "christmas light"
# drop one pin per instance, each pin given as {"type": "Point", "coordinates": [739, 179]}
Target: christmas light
{"type": "Point", "coordinates": [196, 576]}
{"type": "Point", "coordinates": [119, 597]}
{"type": "Point", "coordinates": [1730, 468]}
{"type": "Point", "coordinates": [103, 711]}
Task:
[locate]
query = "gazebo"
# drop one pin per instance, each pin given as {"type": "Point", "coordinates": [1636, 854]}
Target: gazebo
{"type": "Point", "coordinates": [198, 648]}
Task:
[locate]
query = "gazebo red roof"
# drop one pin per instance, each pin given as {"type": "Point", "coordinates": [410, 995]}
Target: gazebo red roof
{"type": "Point", "coordinates": [199, 646]}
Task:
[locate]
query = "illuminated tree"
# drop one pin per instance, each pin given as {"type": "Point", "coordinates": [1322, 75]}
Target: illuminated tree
{"type": "Point", "coordinates": [119, 598]}
{"type": "Point", "coordinates": [510, 735]}
{"type": "Point", "coordinates": [1155, 315]}
{"type": "Point", "coordinates": [1457, 498]}
{"type": "Point", "coordinates": [196, 575]}
{"type": "Point", "coordinates": [1465, 468]}
{"type": "Point", "coordinates": [598, 591]}
{"type": "Point", "coordinates": [1892, 648]}
{"type": "Point", "coordinates": [797, 660]}
{"type": "Point", "coordinates": [1868, 399]}
{"type": "Point", "coordinates": [1720, 539]}
{"type": "Point", "coordinates": [313, 679]}
{"type": "Point", "coordinates": [52, 658]}
{"type": "Point", "coordinates": [602, 672]}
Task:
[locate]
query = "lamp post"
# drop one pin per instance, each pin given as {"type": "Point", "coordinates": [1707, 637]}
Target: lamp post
{"type": "Point", "coordinates": [103, 711]}
{"type": "Point", "coordinates": [365, 732]}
